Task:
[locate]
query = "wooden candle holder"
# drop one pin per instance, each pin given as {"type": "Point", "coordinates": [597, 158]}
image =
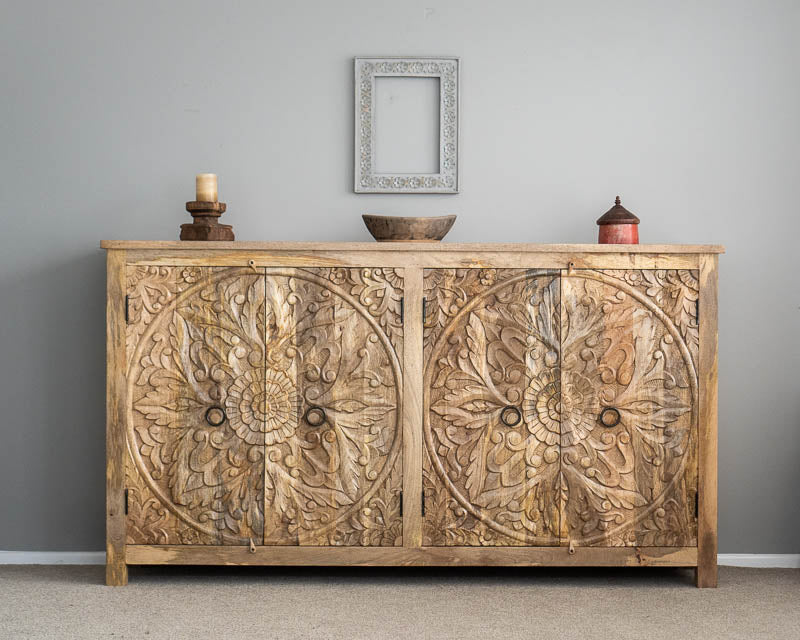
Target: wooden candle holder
{"type": "Point", "coordinates": [206, 224]}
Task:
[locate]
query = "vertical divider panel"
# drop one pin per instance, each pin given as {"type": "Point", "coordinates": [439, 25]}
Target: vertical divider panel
{"type": "Point", "coordinates": [264, 337]}
{"type": "Point", "coordinates": [412, 407]}
{"type": "Point", "coordinates": [563, 528]}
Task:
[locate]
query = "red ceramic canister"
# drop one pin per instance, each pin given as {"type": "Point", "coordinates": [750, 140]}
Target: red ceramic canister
{"type": "Point", "coordinates": [618, 226]}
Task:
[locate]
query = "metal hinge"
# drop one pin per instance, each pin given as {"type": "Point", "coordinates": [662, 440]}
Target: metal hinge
{"type": "Point", "coordinates": [401, 504]}
{"type": "Point", "coordinates": [423, 503]}
{"type": "Point", "coordinates": [424, 309]}
{"type": "Point", "coordinates": [126, 502]}
{"type": "Point", "coordinates": [402, 310]}
{"type": "Point", "coordinates": [127, 316]}
{"type": "Point", "coordinates": [697, 311]}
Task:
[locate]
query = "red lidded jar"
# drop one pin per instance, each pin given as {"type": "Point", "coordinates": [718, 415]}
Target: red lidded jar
{"type": "Point", "coordinates": [618, 226]}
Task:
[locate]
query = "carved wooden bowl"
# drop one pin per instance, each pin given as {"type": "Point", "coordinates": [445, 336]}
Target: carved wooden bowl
{"type": "Point", "coordinates": [408, 229]}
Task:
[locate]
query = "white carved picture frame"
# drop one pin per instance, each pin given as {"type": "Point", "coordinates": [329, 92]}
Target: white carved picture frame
{"type": "Point", "coordinates": [447, 70]}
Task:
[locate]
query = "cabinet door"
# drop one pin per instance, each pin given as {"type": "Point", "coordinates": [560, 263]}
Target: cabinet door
{"type": "Point", "coordinates": [629, 407]}
{"type": "Point", "coordinates": [334, 341]}
{"type": "Point", "coordinates": [195, 472]}
{"type": "Point", "coordinates": [264, 406]}
{"type": "Point", "coordinates": [491, 418]}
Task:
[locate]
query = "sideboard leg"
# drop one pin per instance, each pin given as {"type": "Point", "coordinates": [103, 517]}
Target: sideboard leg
{"type": "Point", "coordinates": [707, 427]}
{"type": "Point", "coordinates": [116, 401]}
{"type": "Point", "coordinates": [116, 574]}
{"type": "Point", "coordinates": [706, 575]}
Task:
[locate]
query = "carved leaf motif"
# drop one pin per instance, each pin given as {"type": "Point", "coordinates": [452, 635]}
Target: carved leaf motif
{"type": "Point", "coordinates": [476, 341]}
{"type": "Point", "coordinates": [363, 417]}
{"type": "Point", "coordinates": [617, 496]}
{"type": "Point", "coordinates": [469, 417]}
{"type": "Point", "coordinates": [476, 469]}
{"type": "Point", "coordinates": [500, 497]}
{"type": "Point", "coordinates": [349, 405]}
{"type": "Point", "coordinates": [320, 495]}
{"type": "Point", "coordinates": [167, 413]}
{"type": "Point", "coordinates": [674, 291]}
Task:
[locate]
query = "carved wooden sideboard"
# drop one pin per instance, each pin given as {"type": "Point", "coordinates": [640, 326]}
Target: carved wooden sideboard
{"type": "Point", "coordinates": [411, 404]}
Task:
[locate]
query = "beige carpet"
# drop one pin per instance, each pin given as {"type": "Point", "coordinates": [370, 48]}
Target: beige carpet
{"type": "Point", "coordinates": [227, 603]}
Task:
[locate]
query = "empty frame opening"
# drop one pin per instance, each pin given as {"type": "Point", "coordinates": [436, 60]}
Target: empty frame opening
{"type": "Point", "coordinates": [406, 125]}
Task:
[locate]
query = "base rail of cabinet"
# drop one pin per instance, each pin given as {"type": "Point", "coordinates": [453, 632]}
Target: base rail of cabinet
{"type": "Point", "coordinates": [413, 556]}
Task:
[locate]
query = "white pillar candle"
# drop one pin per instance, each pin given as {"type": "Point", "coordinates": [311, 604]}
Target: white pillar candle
{"type": "Point", "coordinates": [206, 187]}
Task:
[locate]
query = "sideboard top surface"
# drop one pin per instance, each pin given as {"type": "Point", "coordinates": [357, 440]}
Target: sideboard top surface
{"type": "Point", "coordinates": [171, 245]}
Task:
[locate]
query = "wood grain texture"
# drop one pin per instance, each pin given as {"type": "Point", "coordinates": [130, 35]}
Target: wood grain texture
{"type": "Point", "coordinates": [333, 404]}
{"type": "Point", "coordinates": [336, 336]}
{"type": "Point", "coordinates": [116, 569]}
{"type": "Point", "coordinates": [491, 351]}
{"type": "Point", "coordinates": [413, 247]}
{"type": "Point", "coordinates": [408, 228]}
{"type": "Point", "coordinates": [412, 409]}
{"type": "Point", "coordinates": [562, 350]}
{"type": "Point", "coordinates": [266, 348]}
{"type": "Point", "coordinates": [195, 345]}
{"type": "Point", "coordinates": [707, 481]}
{"type": "Point", "coordinates": [628, 350]}
{"type": "Point", "coordinates": [473, 259]}
{"type": "Point", "coordinates": [419, 556]}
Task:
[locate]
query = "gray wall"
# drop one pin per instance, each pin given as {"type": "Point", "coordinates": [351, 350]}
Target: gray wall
{"type": "Point", "coordinates": [689, 110]}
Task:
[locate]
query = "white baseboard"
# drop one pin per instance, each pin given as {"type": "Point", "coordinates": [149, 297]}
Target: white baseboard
{"type": "Point", "coordinates": [762, 560]}
{"type": "Point", "coordinates": [52, 557]}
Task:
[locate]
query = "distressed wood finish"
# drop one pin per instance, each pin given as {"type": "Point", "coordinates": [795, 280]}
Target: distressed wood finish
{"type": "Point", "coordinates": [386, 249]}
{"type": "Point", "coordinates": [412, 411]}
{"type": "Point", "coordinates": [558, 352]}
{"type": "Point", "coordinates": [707, 481]}
{"type": "Point", "coordinates": [302, 367]}
{"type": "Point", "coordinates": [116, 394]}
{"type": "Point", "coordinates": [491, 344]}
{"type": "Point", "coordinates": [287, 403]}
{"type": "Point", "coordinates": [419, 556]}
{"type": "Point", "coordinates": [629, 352]}
{"type": "Point", "coordinates": [196, 437]}
{"type": "Point", "coordinates": [408, 229]}
{"type": "Point", "coordinates": [334, 475]}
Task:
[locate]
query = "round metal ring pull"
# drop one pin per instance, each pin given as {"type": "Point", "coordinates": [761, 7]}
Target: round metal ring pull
{"type": "Point", "coordinates": [609, 417]}
{"type": "Point", "coordinates": [510, 416]}
{"type": "Point", "coordinates": [315, 416]}
{"type": "Point", "coordinates": [215, 416]}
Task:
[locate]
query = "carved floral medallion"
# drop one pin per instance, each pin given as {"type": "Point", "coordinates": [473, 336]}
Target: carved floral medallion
{"type": "Point", "coordinates": [259, 349]}
{"type": "Point", "coordinates": [262, 406]}
{"type": "Point", "coordinates": [562, 348]}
